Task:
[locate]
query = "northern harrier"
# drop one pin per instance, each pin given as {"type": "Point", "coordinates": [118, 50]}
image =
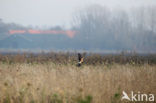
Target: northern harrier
{"type": "Point", "coordinates": [80, 60]}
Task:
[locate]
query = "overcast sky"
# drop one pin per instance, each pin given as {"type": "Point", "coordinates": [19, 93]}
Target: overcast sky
{"type": "Point", "coordinates": [44, 13]}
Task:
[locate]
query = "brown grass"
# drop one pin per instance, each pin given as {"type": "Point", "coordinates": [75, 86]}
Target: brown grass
{"type": "Point", "coordinates": [65, 83]}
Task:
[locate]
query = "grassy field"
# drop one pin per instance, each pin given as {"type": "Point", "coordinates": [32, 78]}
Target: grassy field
{"type": "Point", "coordinates": [54, 82]}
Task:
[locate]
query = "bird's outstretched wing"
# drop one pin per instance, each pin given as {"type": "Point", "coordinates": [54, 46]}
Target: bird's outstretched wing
{"type": "Point", "coordinates": [79, 57]}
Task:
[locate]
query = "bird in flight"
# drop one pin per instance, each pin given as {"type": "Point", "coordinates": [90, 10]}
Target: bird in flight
{"type": "Point", "coordinates": [80, 60]}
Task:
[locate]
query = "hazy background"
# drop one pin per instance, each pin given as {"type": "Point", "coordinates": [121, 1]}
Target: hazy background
{"type": "Point", "coordinates": [55, 12]}
{"type": "Point", "coordinates": [101, 25]}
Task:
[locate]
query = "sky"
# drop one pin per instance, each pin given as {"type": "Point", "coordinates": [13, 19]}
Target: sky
{"type": "Point", "coordinates": [46, 13]}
